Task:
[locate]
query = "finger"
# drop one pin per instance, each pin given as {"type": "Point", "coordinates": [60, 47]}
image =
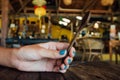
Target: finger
{"type": "Point", "coordinates": [56, 45]}
{"type": "Point", "coordinates": [56, 69]}
{"type": "Point", "coordinates": [42, 65]}
{"type": "Point", "coordinates": [64, 66]}
{"type": "Point", "coordinates": [54, 54]}
{"type": "Point", "coordinates": [68, 60]}
{"type": "Point", "coordinates": [58, 62]}
{"type": "Point", "coordinates": [72, 52]}
{"type": "Point", "coordinates": [62, 71]}
{"type": "Point", "coordinates": [62, 45]}
{"type": "Point", "coordinates": [33, 66]}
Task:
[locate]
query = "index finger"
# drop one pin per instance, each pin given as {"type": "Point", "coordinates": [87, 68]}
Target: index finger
{"type": "Point", "coordinates": [55, 45]}
{"type": "Point", "coordinates": [58, 46]}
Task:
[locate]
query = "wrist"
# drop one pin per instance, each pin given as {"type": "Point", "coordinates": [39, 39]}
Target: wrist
{"type": "Point", "coordinates": [5, 56]}
{"type": "Point", "coordinates": [13, 57]}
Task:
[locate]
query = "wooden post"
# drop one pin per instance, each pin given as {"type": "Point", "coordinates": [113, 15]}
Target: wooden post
{"type": "Point", "coordinates": [5, 4]}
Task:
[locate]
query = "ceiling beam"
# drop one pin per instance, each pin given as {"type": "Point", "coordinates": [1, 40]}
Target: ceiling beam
{"type": "Point", "coordinates": [81, 10]}
{"type": "Point", "coordinates": [21, 2]}
{"type": "Point", "coordinates": [11, 7]}
{"type": "Point", "coordinates": [73, 11]}
{"type": "Point", "coordinates": [24, 5]}
{"type": "Point", "coordinates": [89, 5]}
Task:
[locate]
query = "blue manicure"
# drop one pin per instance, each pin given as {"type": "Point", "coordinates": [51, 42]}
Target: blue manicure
{"type": "Point", "coordinates": [65, 67]}
{"type": "Point", "coordinates": [74, 53]}
{"type": "Point", "coordinates": [62, 52]}
{"type": "Point", "coordinates": [69, 61]}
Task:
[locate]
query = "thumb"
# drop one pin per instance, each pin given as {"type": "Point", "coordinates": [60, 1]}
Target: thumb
{"type": "Point", "coordinates": [54, 54]}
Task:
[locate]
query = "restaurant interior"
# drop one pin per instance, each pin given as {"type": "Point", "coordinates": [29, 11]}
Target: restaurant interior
{"type": "Point", "coordinates": [91, 26]}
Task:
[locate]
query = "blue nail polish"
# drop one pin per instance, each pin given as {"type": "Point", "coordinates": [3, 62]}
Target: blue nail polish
{"type": "Point", "coordinates": [65, 67]}
{"type": "Point", "coordinates": [69, 61]}
{"type": "Point", "coordinates": [74, 53]}
{"type": "Point", "coordinates": [62, 52]}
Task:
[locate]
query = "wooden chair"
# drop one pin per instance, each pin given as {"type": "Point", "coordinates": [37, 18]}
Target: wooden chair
{"type": "Point", "coordinates": [93, 48]}
{"type": "Point", "coordinates": [116, 50]}
{"type": "Point", "coordinates": [114, 47]}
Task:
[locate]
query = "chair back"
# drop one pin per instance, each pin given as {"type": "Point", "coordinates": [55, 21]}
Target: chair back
{"type": "Point", "coordinates": [89, 43]}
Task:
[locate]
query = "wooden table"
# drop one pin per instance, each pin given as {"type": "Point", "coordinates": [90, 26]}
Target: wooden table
{"type": "Point", "coordinates": [112, 44]}
{"type": "Point", "coordinates": [84, 71]}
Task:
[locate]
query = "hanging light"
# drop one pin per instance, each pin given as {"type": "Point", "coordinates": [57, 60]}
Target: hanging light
{"type": "Point", "coordinates": [67, 2]}
{"type": "Point", "coordinates": [63, 23]}
{"type": "Point", "coordinates": [42, 30]}
{"type": "Point", "coordinates": [40, 11]}
{"type": "Point", "coordinates": [96, 25]}
{"type": "Point", "coordinates": [39, 2]}
{"type": "Point", "coordinates": [79, 17]}
{"type": "Point", "coordinates": [107, 2]}
{"type": "Point", "coordinates": [43, 26]}
{"type": "Point", "coordinates": [66, 20]}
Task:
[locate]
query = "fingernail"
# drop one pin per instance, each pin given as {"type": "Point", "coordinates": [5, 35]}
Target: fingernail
{"type": "Point", "coordinates": [62, 52]}
{"type": "Point", "coordinates": [69, 61]}
{"type": "Point", "coordinates": [74, 53]}
{"type": "Point", "coordinates": [65, 67]}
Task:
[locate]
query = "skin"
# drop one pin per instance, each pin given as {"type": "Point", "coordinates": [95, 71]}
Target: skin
{"type": "Point", "coordinates": [37, 57]}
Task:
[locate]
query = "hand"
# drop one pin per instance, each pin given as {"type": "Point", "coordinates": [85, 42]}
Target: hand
{"type": "Point", "coordinates": [43, 57]}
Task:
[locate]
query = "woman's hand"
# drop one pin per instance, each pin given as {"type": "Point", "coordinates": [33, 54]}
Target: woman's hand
{"type": "Point", "coordinates": [43, 57]}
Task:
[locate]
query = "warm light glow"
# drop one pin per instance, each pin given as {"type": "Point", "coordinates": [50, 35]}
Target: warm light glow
{"type": "Point", "coordinates": [43, 26]}
{"type": "Point", "coordinates": [63, 23]}
{"type": "Point", "coordinates": [67, 2]}
{"type": "Point", "coordinates": [92, 33]}
{"type": "Point", "coordinates": [39, 2]}
{"type": "Point", "coordinates": [40, 11]}
{"type": "Point", "coordinates": [112, 26]}
{"type": "Point", "coordinates": [115, 18]}
{"type": "Point", "coordinates": [12, 25]}
{"type": "Point", "coordinates": [79, 17]}
{"type": "Point", "coordinates": [66, 20]}
{"type": "Point", "coordinates": [96, 25]}
{"type": "Point", "coordinates": [42, 31]}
